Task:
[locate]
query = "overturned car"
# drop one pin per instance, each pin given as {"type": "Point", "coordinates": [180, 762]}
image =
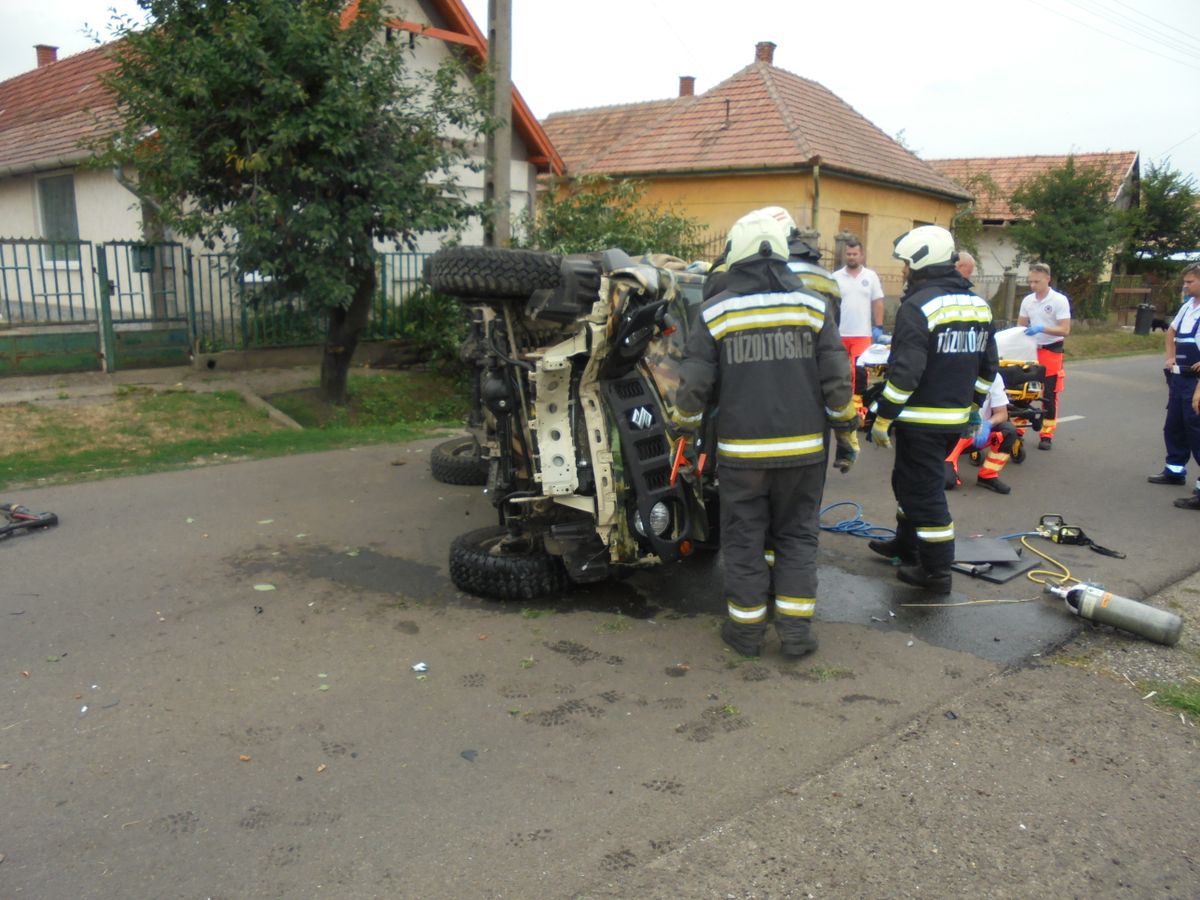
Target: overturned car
{"type": "Point", "coordinates": [576, 361]}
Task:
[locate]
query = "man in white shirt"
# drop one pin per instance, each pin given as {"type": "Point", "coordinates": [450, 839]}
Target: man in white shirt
{"type": "Point", "coordinates": [1046, 314]}
{"type": "Point", "coordinates": [1181, 431]}
{"type": "Point", "coordinates": [862, 310]}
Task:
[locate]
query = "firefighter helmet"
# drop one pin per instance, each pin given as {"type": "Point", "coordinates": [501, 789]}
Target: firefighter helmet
{"type": "Point", "coordinates": [757, 234]}
{"type": "Point", "coordinates": [925, 246]}
{"type": "Point", "coordinates": [781, 215]}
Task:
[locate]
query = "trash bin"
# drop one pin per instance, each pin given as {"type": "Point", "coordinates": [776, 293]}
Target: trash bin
{"type": "Point", "coordinates": [1145, 317]}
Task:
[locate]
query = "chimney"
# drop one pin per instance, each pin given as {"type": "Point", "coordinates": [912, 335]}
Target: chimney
{"type": "Point", "coordinates": [764, 51]}
{"type": "Point", "coordinates": [46, 54]}
{"type": "Point", "coordinates": [687, 85]}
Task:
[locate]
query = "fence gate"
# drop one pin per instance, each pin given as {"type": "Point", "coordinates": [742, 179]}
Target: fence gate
{"type": "Point", "coordinates": [146, 304]}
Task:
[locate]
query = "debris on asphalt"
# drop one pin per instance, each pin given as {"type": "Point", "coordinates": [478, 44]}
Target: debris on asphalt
{"type": "Point", "coordinates": [469, 755]}
{"type": "Point", "coordinates": [265, 521]}
{"type": "Point", "coordinates": [678, 670]}
{"type": "Point", "coordinates": [321, 768]}
{"type": "Point", "coordinates": [909, 644]}
{"type": "Point", "coordinates": [244, 758]}
{"type": "Point", "coordinates": [421, 667]}
{"type": "Point", "coordinates": [951, 714]}
{"type": "Point", "coordinates": [264, 587]}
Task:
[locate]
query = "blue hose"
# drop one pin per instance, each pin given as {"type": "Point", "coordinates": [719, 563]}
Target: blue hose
{"type": "Point", "coordinates": [857, 526]}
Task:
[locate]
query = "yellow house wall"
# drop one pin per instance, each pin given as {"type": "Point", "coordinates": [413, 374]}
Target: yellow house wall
{"type": "Point", "coordinates": [717, 201]}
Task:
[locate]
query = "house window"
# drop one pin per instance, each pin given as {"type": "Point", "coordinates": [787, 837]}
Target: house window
{"type": "Point", "coordinates": [56, 194]}
{"type": "Point", "coordinates": [855, 223]}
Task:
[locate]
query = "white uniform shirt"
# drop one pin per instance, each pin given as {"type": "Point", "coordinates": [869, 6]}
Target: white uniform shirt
{"type": "Point", "coordinates": [1048, 311]}
{"type": "Point", "coordinates": [1185, 319]}
{"type": "Point", "coordinates": [858, 291]}
{"type": "Point", "coordinates": [996, 397]}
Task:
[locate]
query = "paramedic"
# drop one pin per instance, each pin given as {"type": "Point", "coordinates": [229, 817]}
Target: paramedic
{"type": "Point", "coordinates": [1046, 315]}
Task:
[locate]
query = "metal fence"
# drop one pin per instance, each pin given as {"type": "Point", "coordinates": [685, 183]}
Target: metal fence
{"type": "Point", "coordinates": [121, 287]}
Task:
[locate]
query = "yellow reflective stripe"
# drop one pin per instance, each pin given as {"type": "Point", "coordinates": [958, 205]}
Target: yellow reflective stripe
{"type": "Point", "coordinates": [687, 418]}
{"type": "Point", "coordinates": [895, 395]}
{"type": "Point", "coordinates": [769, 556]}
{"type": "Point", "coordinates": [799, 445]}
{"type": "Point", "coordinates": [779, 317]}
{"type": "Point", "coordinates": [932, 415]}
{"type": "Point", "coordinates": [935, 534]}
{"type": "Point", "coordinates": [749, 614]}
{"type": "Point", "coordinates": [995, 462]}
{"type": "Point", "coordinates": [795, 606]}
{"type": "Point", "coordinates": [982, 386]}
{"type": "Point", "coordinates": [846, 414]}
{"type": "Point", "coordinates": [956, 308]}
{"type": "Point", "coordinates": [763, 301]}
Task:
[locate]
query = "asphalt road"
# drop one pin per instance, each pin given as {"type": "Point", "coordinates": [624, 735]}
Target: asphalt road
{"type": "Point", "coordinates": [169, 730]}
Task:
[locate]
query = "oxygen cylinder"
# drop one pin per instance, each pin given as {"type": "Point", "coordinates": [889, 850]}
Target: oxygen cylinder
{"type": "Point", "coordinates": [1107, 608]}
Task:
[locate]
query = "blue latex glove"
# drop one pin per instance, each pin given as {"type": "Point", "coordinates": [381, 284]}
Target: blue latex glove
{"type": "Point", "coordinates": [876, 334]}
{"type": "Point", "coordinates": [982, 435]}
{"type": "Point", "coordinates": [1035, 329]}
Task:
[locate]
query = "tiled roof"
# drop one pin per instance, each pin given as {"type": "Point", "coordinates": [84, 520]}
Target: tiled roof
{"type": "Point", "coordinates": [1010, 172]}
{"type": "Point", "coordinates": [46, 113]}
{"type": "Point", "coordinates": [762, 117]}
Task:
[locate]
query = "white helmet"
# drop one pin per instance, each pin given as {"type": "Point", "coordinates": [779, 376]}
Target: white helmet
{"type": "Point", "coordinates": [924, 246]}
{"type": "Point", "coordinates": [781, 215]}
{"type": "Point", "coordinates": [757, 234]}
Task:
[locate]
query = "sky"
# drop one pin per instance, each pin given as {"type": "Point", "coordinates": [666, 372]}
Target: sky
{"type": "Point", "coordinates": [952, 78]}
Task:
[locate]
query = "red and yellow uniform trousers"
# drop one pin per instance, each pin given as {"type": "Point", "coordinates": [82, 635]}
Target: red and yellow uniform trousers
{"type": "Point", "coordinates": [1051, 356]}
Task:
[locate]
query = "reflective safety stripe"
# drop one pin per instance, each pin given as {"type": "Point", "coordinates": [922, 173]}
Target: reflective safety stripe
{"type": "Point", "coordinates": [764, 311]}
{"type": "Point", "coordinates": [932, 415]}
{"type": "Point", "coordinates": [982, 386]}
{"type": "Point", "coordinates": [995, 462]}
{"type": "Point", "coordinates": [687, 418]}
{"type": "Point", "coordinates": [847, 413]}
{"type": "Point", "coordinates": [748, 614]}
{"type": "Point", "coordinates": [765, 448]}
{"type": "Point", "coordinates": [935, 534]}
{"type": "Point", "coordinates": [769, 556]}
{"type": "Point", "coordinates": [795, 606]}
{"type": "Point", "coordinates": [956, 308]}
{"type": "Point", "coordinates": [1185, 340]}
{"type": "Point", "coordinates": [895, 395]}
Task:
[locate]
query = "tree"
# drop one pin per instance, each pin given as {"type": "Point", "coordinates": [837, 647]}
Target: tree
{"type": "Point", "coordinates": [1070, 223]}
{"type": "Point", "coordinates": [966, 226]}
{"type": "Point", "coordinates": [1166, 222]}
{"type": "Point", "coordinates": [296, 139]}
{"type": "Point", "coordinates": [595, 212]}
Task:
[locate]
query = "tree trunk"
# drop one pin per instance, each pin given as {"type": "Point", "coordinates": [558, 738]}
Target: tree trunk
{"type": "Point", "coordinates": [346, 325]}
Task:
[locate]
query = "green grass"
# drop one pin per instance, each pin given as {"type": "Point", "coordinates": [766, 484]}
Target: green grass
{"type": "Point", "coordinates": [1096, 343]}
{"type": "Point", "coordinates": [1184, 697]}
{"type": "Point", "coordinates": [143, 431]}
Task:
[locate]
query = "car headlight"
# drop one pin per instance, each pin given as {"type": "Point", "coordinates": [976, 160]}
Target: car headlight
{"type": "Point", "coordinates": [660, 520]}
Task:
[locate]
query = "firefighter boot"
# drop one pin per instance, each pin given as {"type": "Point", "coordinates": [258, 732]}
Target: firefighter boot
{"type": "Point", "coordinates": [936, 581]}
{"type": "Point", "coordinates": [796, 639]}
{"type": "Point", "coordinates": [896, 548]}
{"type": "Point", "coordinates": [745, 640]}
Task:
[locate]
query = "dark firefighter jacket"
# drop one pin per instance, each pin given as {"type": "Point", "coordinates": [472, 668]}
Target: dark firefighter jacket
{"type": "Point", "coordinates": [943, 355]}
{"type": "Point", "coordinates": [773, 356]}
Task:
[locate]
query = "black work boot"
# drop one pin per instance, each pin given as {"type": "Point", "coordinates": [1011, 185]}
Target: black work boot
{"type": "Point", "coordinates": [746, 640]}
{"type": "Point", "coordinates": [992, 484]}
{"type": "Point", "coordinates": [936, 581]}
{"type": "Point", "coordinates": [797, 639]}
{"type": "Point", "coordinates": [893, 549]}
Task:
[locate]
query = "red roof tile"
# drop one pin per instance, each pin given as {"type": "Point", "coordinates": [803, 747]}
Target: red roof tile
{"type": "Point", "coordinates": [46, 113]}
{"type": "Point", "coordinates": [762, 117]}
{"type": "Point", "coordinates": [1010, 172]}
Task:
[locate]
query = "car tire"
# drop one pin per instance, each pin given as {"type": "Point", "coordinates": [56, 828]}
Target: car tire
{"type": "Point", "coordinates": [483, 562]}
{"type": "Point", "coordinates": [458, 461]}
{"type": "Point", "coordinates": [492, 272]}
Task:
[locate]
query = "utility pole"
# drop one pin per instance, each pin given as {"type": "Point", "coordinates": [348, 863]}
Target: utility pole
{"type": "Point", "coordinates": [497, 190]}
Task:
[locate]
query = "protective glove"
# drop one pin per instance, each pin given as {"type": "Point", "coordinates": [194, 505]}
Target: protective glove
{"type": "Point", "coordinates": [1035, 329]}
{"type": "Point", "coordinates": [879, 432]}
{"type": "Point", "coordinates": [877, 334]}
{"type": "Point", "coordinates": [847, 449]}
{"type": "Point", "coordinates": [982, 435]}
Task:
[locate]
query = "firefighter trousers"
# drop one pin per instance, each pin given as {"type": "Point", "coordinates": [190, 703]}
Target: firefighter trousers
{"type": "Point", "coordinates": [923, 522]}
{"type": "Point", "coordinates": [1056, 377]}
{"type": "Point", "coordinates": [780, 507]}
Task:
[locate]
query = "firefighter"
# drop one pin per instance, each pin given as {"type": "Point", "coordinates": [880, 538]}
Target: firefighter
{"type": "Point", "coordinates": [942, 365]}
{"type": "Point", "coordinates": [772, 355]}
